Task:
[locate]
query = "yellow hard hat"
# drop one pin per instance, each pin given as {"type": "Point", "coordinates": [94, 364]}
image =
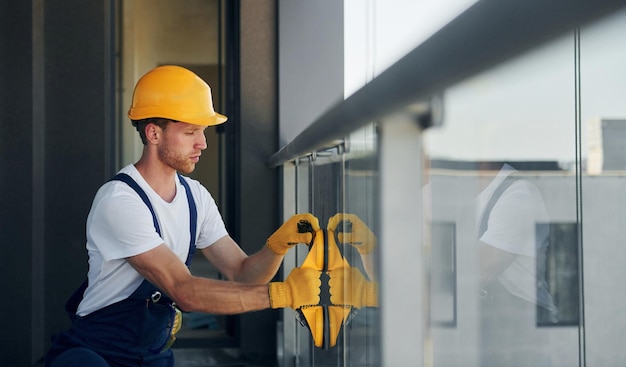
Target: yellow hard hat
{"type": "Point", "coordinates": [175, 93]}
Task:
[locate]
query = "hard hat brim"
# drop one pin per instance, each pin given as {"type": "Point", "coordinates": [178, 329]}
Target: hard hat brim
{"type": "Point", "coordinates": [207, 120]}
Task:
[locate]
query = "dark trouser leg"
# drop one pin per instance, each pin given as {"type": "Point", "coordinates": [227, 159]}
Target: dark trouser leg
{"type": "Point", "coordinates": [79, 357]}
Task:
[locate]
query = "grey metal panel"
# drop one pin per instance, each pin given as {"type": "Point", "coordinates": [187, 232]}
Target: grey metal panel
{"type": "Point", "coordinates": [310, 62]}
{"type": "Point", "coordinates": [53, 118]}
{"type": "Point", "coordinates": [257, 185]}
{"type": "Point", "coordinates": [77, 90]}
{"type": "Point", "coordinates": [17, 176]}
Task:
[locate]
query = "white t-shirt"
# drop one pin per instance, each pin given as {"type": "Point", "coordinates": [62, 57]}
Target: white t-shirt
{"type": "Point", "coordinates": [120, 225]}
{"type": "Point", "coordinates": [518, 224]}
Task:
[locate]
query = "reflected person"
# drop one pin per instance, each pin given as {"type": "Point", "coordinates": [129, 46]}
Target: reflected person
{"type": "Point", "coordinates": [513, 237]}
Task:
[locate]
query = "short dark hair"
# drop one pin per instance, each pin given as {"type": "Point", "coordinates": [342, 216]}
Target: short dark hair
{"type": "Point", "coordinates": [140, 125]}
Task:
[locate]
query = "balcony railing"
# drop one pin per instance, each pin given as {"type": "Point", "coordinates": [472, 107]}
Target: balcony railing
{"type": "Point", "coordinates": [488, 33]}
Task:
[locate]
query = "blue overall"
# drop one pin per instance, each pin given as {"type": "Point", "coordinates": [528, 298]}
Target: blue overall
{"type": "Point", "coordinates": [131, 332]}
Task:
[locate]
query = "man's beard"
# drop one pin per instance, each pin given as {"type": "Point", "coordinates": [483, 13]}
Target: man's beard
{"type": "Point", "coordinates": [175, 160]}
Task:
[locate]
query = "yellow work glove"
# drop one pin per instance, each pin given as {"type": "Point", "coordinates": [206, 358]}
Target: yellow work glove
{"type": "Point", "coordinates": [292, 232]}
{"type": "Point", "coordinates": [348, 287]}
{"type": "Point", "coordinates": [352, 230]}
{"type": "Point", "coordinates": [301, 288]}
{"type": "Point", "coordinates": [176, 325]}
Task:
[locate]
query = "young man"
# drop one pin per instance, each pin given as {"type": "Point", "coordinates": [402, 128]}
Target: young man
{"type": "Point", "coordinates": [142, 229]}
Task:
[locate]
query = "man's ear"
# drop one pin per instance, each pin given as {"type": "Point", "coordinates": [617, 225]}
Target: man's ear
{"type": "Point", "coordinates": [153, 133]}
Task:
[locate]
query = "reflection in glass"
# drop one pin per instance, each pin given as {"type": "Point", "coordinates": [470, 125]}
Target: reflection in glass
{"type": "Point", "coordinates": [338, 186]}
{"type": "Point", "coordinates": [562, 275]}
{"type": "Point", "coordinates": [443, 286]}
{"type": "Point", "coordinates": [511, 282]}
{"type": "Point", "coordinates": [512, 249]}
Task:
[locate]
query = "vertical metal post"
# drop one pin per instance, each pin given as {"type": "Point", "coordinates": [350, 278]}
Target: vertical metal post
{"type": "Point", "coordinates": [401, 269]}
{"type": "Point", "coordinates": [582, 359]}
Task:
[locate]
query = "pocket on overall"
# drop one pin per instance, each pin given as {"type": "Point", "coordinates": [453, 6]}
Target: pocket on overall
{"type": "Point", "coordinates": [157, 324]}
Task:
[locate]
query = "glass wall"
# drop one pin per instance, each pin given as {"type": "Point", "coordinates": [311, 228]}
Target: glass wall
{"type": "Point", "coordinates": [503, 216]}
{"type": "Point", "coordinates": [525, 187]}
{"type": "Point", "coordinates": [602, 115]}
{"type": "Point", "coordinates": [512, 255]}
{"type": "Point", "coordinates": [377, 33]}
{"type": "Point", "coordinates": [338, 185]}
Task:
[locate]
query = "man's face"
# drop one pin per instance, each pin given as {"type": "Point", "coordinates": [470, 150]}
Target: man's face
{"type": "Point", "coordinates": [181, 146]}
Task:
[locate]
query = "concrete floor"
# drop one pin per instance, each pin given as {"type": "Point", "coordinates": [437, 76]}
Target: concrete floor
{"type": "Point", "coordinates": [206, 357]}
{"type": "Point", "coordinates": [220, 357]}
{"type": "Point", "coordinates": [214, 357]}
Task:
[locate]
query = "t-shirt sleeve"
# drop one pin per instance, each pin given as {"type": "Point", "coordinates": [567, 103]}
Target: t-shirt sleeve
{"type": "Point", "coordinates": [121, 226]}
{"type": "Point", "coordinates": [512, 222]}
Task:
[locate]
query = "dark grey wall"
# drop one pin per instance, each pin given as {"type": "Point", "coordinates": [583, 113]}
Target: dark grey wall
{"type": "Point", "coordinates": [77, 134]}
{"type": "Point", "coordinates": [257, 193]}
{"type": "Point", "coordinates": [16, 178]}
{"type": "Point", "coordinates": [310, 62]}
{"type": "Point", "coordinates": [55, 102]}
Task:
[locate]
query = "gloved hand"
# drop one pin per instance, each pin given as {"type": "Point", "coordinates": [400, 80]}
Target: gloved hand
{"type": "Point", "coordinates": [360, 236]}
{"type": "Point", "coordinates": [288, 235]}
{"type": "Point", "coordinates": [348, 287]}
{"type": "Point", "coordinates": [301, 288]}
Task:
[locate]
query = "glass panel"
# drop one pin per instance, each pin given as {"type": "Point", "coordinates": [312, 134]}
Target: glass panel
{"type": "Point", "coordinates": [603, 119]}
{"type": "Point", "coordinates": [304, 345]}
{"type": "Point", "coordinates": [377, 33]}
{"type": "Point", "coordinates": [502, 214]}
{"type": "Point", "coordinates": [340, 183]}
{"type": "Point", "coordinates": [326, 184]}
{"type": "Point", "coordinates": [361, 201]}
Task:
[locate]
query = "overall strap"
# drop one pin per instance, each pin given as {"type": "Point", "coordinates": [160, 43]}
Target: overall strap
{"type": "Point", "coordinates": [142, 194]}
{"type": "Point", "coordinates": [193, 219]}
{"type": "Point", "coordinates": [484, 219]}
{"type": "Point", "coordinates": [193, 212]}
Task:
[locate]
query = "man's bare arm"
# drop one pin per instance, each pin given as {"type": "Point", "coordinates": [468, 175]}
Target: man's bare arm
{"type": "Point", "coordinates": [234, 264]}
{"type": "Point", "coordinates": [167, 272]}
